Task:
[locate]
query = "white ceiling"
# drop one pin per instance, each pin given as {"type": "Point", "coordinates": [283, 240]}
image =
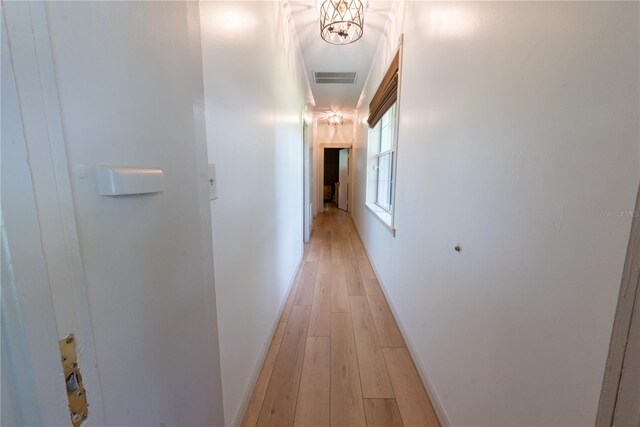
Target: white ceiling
{"type": "Point", "coordinates": [321, 56]}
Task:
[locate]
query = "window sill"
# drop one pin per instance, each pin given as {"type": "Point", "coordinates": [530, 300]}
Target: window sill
{"type": "Point", "coordinates": [383, 216]}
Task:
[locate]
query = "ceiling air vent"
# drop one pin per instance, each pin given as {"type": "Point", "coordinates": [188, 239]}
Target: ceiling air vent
{"type": "Point", "coordinates": [335, 78]}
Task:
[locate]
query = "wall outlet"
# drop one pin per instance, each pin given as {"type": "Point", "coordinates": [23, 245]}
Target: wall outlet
{"type": "Point", "coordinates": [213, 185]}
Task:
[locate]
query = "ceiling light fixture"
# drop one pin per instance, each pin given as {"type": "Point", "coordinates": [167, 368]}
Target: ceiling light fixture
{"type": "Point", "coordinates": [341, 21]}
{"type": "Point", "coordinates": [335, 119]}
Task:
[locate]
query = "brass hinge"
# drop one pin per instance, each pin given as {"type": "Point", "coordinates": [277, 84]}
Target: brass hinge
{"type": "Point", "coordinates": [76, 393]}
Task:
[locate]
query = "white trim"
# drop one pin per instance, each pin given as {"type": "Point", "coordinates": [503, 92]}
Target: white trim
{"type": "Point", "coordinates": [433, 395]}
{"type": "Point", "coordinates": [204, 204]}
{"type": "Point", "coordinates": [396, 129]}
{"type": "Point", "coordinates": [381, 215]}
{"type": "Point", "coordinates": [307, 182]}
{"type": "Point", "coordinates": [242, 409]}
{"type": "Point", "coordinates": [29, 347]}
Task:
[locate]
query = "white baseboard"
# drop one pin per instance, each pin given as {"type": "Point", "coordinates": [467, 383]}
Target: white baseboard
{"type": "Point", "coordinates": [442, 415]}
{"type": "Point", "coordinates": [263, 353]}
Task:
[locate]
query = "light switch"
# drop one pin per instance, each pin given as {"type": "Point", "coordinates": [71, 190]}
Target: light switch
{"type": "Point", "coordinates": [213, 186]}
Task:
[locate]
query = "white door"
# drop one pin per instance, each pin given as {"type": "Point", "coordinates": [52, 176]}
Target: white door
{"type": "Point", "coordinates": [143, 284]}
{"type": "Point", "coordinates": [343, 177]}
{"type": "Point", "coordinates": [42, 297]}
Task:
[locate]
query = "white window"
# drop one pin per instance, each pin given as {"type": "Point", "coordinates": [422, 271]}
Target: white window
{"type": "Point", "coordinates": [382, 152]}
{"type": "Point", "coordinates": [384, 146]}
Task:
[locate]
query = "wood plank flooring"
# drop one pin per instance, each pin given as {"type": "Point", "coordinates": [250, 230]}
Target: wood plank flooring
{"type": "Point", "coordinates": [337, 357]}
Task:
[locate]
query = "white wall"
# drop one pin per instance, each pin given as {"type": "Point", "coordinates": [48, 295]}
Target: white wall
{"type": "Point", "coordinates": [130, 80]}
{"type": "Point", "coordinates": [518, 133]}
{"type": "Point", "coordinates": [341, 134]}
{"type": "Point", "coordinates": [255, 94]}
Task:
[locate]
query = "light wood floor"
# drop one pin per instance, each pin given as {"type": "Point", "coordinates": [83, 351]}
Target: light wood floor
{"type": "Point", "coordinates": [337, 357]}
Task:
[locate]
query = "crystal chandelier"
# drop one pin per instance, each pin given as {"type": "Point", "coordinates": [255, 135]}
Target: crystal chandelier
{"type": "Point", "coordinates": [335, 119]}
{"type": "Point", "coordinates": [341, 21]}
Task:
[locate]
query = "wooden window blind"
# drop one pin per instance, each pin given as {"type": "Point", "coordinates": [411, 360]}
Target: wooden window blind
{"type": "Point", "coordinates": [387, 93]}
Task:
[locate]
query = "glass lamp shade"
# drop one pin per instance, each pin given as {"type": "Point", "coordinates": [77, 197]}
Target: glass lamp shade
{"type": "Point", "coordinates": [334, 119]}
{"type": "Point", "coordinates": [341, 21]}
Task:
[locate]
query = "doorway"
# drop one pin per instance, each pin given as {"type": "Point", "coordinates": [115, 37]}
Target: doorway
{"type": "Point", "coordinates": [335, 182]}
{"type": "Point", "coordinates": [620, 391]}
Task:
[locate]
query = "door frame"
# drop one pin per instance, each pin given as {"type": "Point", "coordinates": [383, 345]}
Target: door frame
{"type": "Point", "coordinates": [34, 78]}
{"type": "Point", "coordinates": [320, 183]}
{"type": "Point", "coordinates": [347, 191]}
{"type": "Point", "coordinates": [307, 183]}
{"type": "Point", "coordinates": [628, 300]}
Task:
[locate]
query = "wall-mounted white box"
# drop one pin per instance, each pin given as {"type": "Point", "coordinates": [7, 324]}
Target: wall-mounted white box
{"type": "Point", "coordinates": [123, 180]}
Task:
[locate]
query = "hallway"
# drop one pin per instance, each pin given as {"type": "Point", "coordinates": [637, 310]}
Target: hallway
{"type": "Point", "coordinates": [164, 163]}
{"type": "Point", "coordinates": [337, 356]}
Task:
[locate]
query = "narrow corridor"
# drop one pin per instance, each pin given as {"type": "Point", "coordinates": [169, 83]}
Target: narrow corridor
{"type": "Point", "coordinates": [337, 356]}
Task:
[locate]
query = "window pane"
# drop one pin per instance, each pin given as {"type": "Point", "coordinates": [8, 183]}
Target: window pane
{"type": "Point", "coordinates": [384, 164]}
{"type": "Point", "coordinates": [383, 195]}
{"type": "Point", "coordinates": [388, 117]}
{"type": "Point", "coordinates": [388, 129]}
{"type": "Point", "coordinates": [374, 139]}
{"type": "Point", "coordinates": [383, 198]}
{"type": "Point", "coordinates": [386, 141]}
